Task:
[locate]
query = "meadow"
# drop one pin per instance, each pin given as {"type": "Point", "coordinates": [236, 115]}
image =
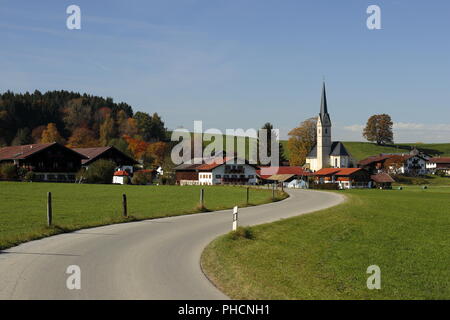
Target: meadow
{"type": "Point", "coordinates": [75, 206]}
{"type": "Point", "coordinates": [362, 150]}
{"type": "Point", "coordinates": [325, 255]}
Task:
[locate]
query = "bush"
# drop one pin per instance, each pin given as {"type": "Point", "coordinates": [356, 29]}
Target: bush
{"type": "Point", "coordinates": [101, 171]}
{"type": "Point", "coordinates": [141, 178]}
{"type": "Point", "coordinates": [29, 176]}
{"type": "Point", "coordinates": [8, 171]}
{"type": "Point", "coordinates": [242, 233]}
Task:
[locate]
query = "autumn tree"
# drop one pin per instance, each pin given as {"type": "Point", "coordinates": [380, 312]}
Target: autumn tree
{"type": "Point", "coordinates": [157, 152]}
{"type": "Point", "coordinates": [107, 131]}
{"type": "Point", "coordinates": [82, 138]}
{"type": "Point", "coordinates": [301, 140]}
{"type": "Point", "coordinates": [379, 129]}
{"type": "Point", "coordinates": [36, 134]}
{"type": "Point", "coordinates": [51, 134]}
{"type": "Point", "coordinates": [77, 114]}
{"type": "Point", "coordinates": [137, 146]}
{"type": "Point", "coordinates": [126, 126]}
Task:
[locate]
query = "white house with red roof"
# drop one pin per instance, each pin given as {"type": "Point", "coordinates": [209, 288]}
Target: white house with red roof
{"type": "Point", "coordinates": [345, 178]}
{"type": "Point", "coordinates": [438, 164]}
{"type": "Point", "coordinates": [228, 170]}
{"type": "Point", "coordinates": [121, 177]}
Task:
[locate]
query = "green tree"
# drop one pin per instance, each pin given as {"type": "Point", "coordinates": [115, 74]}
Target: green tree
{"type": "Point", "coordinates": [101, 171]}
{"type": "Point", "coordinates": [144, 125]}
{"type": "Point", "coordinates": [379, 129]}
{"type": "Point", "coordinates": [8, 171]}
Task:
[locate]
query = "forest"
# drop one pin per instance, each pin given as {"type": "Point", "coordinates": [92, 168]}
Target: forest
{"type": "Point", "coordinates": [80, 121]}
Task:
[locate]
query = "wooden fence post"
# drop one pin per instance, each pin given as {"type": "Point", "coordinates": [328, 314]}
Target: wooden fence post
{"type": "Point", "coordinates": [124, 205]}
{"type": "Point", "coordinates": [248, 194]}
{"type": "Point", "coordinates": [49, 209]}
{"type": "Point", "coordinates": [273, 191]}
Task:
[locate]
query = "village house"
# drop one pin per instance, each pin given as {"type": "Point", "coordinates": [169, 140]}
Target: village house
{"type": "Point", "coordinates": [327, 153]}
{"type": "Point", "coordinates": [121, 177]}
{"type": "Point", "coordinates": [406, 164]}
{"type": "Point", "coordinates": [436, 165]}
{"type": "Point", "coordinates": [345, 178]}
{"type": "Point", "coordinates": [123, 161]}
{"type": "Point", "coordinates": [291, 177]}
{"type": "Point", "coordinates": [49, 161]}
{"type": "Point", "coordinates": [382, 180]}
{"type": "Point", "coordinates": [221, 171]}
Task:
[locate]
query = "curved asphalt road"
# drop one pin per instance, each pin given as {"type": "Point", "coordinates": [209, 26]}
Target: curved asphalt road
{"type": "Point", "coordinates": [152, 259]}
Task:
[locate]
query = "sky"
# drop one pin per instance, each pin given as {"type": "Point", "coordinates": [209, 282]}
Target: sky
{"type": "Point", "coordinates": [241, 63]}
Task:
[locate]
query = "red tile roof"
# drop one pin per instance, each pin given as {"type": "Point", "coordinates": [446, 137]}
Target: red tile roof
{"type": "Point", "coordinates": [382, 178]}
{"type": "Point", "coordinates": [326, 171]}
{"type": "Point", "coordinates": [121, 173]}
{"type": "Point", "coordinates": [337, 171]}
{"type": "Point", "coordinates": [25, 151]}
{"type": "Point", "coordinates": [373, 159]}
{"type": "Point", "coordinates": [439, 160]}
{"type": "Point", "coordinates": [93, 153]}
{"type": "Point", "coordinates": [216, 162]}
{"type": "Point", "coordinates": [266, 172]}
{"type": "Point", "coordinates": [21, 152]}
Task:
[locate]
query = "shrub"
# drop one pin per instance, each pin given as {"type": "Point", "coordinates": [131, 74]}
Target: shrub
{"type": "Point", "coordinates": [8, 171]}
{"type": "Point", "coordinates": [242, 233]}
{"type": "Point", "coordinates": [141, 178]}
{"type": "Point", "coordinates": [101, 171]}
{"type": "Point", "coordinates": [29, 176]}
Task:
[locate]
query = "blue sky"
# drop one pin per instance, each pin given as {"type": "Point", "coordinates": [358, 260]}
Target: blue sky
{"type": "Point", "coordinates": [241, 63]}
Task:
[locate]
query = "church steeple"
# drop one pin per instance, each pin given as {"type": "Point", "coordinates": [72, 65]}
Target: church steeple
{"type": "Point", "coordinates": [323, 133]}
{"type": "Point", "coordinates": [323, 106]}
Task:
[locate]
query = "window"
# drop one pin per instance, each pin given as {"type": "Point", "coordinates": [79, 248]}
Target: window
{"type": "Point", "coordinates": [326, 130]}
{"type": "Point", "coordinates": [251, 176]}
{"type": "Point", "coordinates": [218, 176]}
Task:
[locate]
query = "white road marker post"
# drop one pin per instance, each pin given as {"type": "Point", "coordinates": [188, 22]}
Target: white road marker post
{"type": "Point", "coordinates": [235, 218]}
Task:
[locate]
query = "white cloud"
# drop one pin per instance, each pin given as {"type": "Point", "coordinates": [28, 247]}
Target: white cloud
{"type": "Point", "coordinates": [354, 128]}
{"type": "Point", "coordinates": [409, 132]}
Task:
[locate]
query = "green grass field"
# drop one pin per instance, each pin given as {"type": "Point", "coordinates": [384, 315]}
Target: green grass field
{"type": "Point", "coordinates": [362, 150]}
{"type": "Point", "coordinates": [325, 255]}
{"type": "Point", "coordinates": [23, 205]}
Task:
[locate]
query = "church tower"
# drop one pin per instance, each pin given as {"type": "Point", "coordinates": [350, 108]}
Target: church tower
{"type": "Point", "coordinates": [323, 133]}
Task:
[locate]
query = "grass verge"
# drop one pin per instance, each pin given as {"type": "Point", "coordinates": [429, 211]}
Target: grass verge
{"type": "Point", "coordinates": [325, 255]}
{"type": "Point", "coordinates": [23, 205]}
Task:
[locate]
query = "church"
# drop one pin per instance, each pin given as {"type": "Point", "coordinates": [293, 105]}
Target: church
{"type": "Point", "coordinates": [327, 153]}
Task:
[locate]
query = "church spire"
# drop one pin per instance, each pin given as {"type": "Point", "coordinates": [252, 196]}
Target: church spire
{"type": "Point", "coordinates": [323, 105]}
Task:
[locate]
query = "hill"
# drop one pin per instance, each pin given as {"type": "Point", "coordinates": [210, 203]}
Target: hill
{"type": "Point", "coordinates": [361, 150]}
